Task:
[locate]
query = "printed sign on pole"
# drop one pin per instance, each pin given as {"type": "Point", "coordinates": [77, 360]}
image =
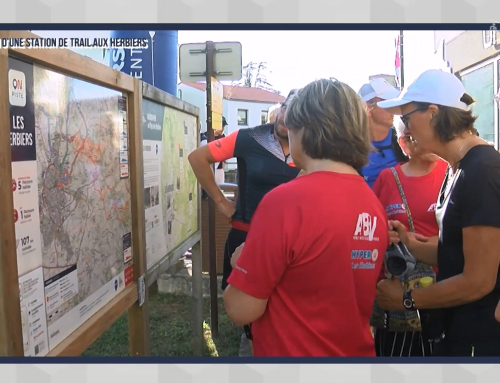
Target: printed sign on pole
{"type": "Point", "coordinates": [217, 96]}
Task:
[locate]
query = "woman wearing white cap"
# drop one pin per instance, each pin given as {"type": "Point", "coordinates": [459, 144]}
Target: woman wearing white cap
{"type": "Point", "coordinates": [435, 108]}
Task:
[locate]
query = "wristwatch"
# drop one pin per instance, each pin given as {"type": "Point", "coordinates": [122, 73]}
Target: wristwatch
{"type": "Point", "coordinates": [408, 301]}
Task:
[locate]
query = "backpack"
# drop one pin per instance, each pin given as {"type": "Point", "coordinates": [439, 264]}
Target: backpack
{"type": "Point", "coordinates": [398, 153]}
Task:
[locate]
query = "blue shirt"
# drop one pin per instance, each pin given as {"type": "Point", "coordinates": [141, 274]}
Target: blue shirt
{"type": "Point", "coordinates": [381, 158]}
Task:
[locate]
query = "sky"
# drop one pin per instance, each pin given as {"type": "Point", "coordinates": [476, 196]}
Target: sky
{"type": "Point", "coordinates": [295, 58]}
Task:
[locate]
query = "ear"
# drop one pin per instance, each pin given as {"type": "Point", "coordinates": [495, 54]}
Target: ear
{"type": "Point", "coordinates": [433, 109]}
{"type": "Point", "coordinates": [402, 145]}
{"type": "Point", "coordinates": [368, 109]}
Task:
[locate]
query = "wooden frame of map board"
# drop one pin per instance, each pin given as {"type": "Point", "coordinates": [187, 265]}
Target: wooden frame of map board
{"type": "Point", "coordinates": [69, 63]}
{"type": "Point", "coordinates": [163, 99]}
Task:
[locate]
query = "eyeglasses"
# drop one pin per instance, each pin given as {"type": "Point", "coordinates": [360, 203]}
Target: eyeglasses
{"type": "Point", "coordinates": [404, 117]}
{"type": "Point", "coordinates": [373, 102]}
{"type": "Point", "coordinates": [407, 139]}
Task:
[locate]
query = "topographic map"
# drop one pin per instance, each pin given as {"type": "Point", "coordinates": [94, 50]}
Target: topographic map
{"type": "Point", "coordinates": [84, 203]}
{"type": "Point", "coordinates": [180, 199]}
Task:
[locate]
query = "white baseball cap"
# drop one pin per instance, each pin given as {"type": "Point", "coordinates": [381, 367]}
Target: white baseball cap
{"type": "Point", "coordinates": [378, 88]}
{"type": "Point", "coordinates": [434, 86]}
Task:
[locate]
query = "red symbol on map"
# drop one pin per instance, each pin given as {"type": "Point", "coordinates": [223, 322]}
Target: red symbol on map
{"type": "Point", "coordinates": [14, 185]}
{"type": "Point", "coordinates": [16, 216]}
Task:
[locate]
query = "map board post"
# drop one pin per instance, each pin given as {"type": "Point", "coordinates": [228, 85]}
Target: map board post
{"type": "Point", "coordinates": [138, 313]}
{"type": "Point", "coordinates": [70, 182]}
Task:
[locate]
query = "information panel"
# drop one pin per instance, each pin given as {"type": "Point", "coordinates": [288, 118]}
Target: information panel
{"type": "Point", "coordinates": [171, 188]}
{"type": "Point", "coordinates": [72, 212]}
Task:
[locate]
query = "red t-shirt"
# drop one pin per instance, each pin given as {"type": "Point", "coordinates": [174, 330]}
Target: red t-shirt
{"type": "Point", "coordinates": [421, 193]}
{"type": "Point", "coordinates": [314, 249]}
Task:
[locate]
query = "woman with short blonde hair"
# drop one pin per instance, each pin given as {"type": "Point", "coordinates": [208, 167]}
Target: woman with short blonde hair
{"type": "Point", "coordinates": [307, 273]}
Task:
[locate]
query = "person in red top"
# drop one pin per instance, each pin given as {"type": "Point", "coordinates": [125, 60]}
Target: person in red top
{"type": "Point", "coordinates": [306, 275]}
{"type": "Point", "coordinates": [409, 193]}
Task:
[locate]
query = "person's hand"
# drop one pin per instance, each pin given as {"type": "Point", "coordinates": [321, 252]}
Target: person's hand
{"type": "Point", "coordinates": [398, 233]}
{"type": "Point", "coordinates": [227, 208]}
{"type": "Point", "coordinates": [236, 254]}
{"type": "Point", "coordinates": [390, 295]}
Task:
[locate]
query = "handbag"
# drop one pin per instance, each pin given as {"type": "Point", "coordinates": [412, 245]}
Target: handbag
{"type": "Point", "coordinates": [404, 320]}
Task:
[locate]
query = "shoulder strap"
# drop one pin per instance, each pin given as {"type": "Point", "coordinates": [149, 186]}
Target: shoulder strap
{"type": "Point", "coordinates": [403, 198]}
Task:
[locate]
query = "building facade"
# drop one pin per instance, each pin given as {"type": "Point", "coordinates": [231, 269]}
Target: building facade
{"type": "Point", "coordinates": [474, 57]}
{"type": "Point", "coordinates": [242, 107]}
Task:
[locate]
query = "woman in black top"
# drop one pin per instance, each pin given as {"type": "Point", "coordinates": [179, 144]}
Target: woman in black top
{"type": "Point", "coordinates": [462, 303]}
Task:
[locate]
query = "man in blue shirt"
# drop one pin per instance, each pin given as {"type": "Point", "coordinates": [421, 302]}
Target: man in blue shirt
{"type": "Point", "coordinates": [387, 151]}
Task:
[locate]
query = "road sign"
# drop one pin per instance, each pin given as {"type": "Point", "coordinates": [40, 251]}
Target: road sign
{"type": "Point", "coordinates": [227, 62]}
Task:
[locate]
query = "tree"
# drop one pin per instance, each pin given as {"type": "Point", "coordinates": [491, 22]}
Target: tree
{"type": "Point", "coordinates": [255, 76]}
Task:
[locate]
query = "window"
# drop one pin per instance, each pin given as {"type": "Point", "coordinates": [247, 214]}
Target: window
{"type": "Point", "coordinates": [263, 117]}
{"type": "Point", "coordinates": [480, 86]}
{"type": "Point", "coordinates": [242, 117]}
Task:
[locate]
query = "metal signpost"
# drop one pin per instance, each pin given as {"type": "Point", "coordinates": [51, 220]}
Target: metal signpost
{"type": "Point", "coordinates": [211, 62]}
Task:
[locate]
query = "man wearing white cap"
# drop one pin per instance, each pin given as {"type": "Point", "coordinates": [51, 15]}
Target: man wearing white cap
{"type": "Point", "coordinates": [384, 139]}
{"type": "Point", "coordinates": [462, 302]}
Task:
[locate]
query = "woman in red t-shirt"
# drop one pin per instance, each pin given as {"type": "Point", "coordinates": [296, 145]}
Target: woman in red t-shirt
{"type": "Point", "coordinates": [307, 274]}
{"type": "Point", "coordinates": [408, 192]}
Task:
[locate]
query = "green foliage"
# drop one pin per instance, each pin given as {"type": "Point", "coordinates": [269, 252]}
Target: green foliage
{"type": "Point", "coordinates": [170, 321]}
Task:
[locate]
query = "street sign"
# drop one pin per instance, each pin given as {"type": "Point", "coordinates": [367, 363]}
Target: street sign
{"type": "Point", "coordinates": [217, 96]}
{"type": "Point", "coordinates": [216, 121]}
{"type": "Point", "coordinates": [227, 62]}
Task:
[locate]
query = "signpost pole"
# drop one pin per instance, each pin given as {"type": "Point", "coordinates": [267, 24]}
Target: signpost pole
{"type": "Point", "coordinates": [214, 315]}
{"type": "Point", "coordinates": [401, 55]}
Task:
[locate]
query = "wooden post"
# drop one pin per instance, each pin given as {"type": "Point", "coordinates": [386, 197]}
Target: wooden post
{"type": "Point", "coordinates": [138, 316]}
{"type": "Point", "coordinates": [11, 343]}
{"type": "Point", "coordinates": [197, 294]}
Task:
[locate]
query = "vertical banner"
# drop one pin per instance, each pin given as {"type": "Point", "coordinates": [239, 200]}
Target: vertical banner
{"type": "Point", "coordinates": [26, 213]}
{"type": "Point", "coordinates": [397, 61]}
{"type": "Point", "coordinates": [155, 65]}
